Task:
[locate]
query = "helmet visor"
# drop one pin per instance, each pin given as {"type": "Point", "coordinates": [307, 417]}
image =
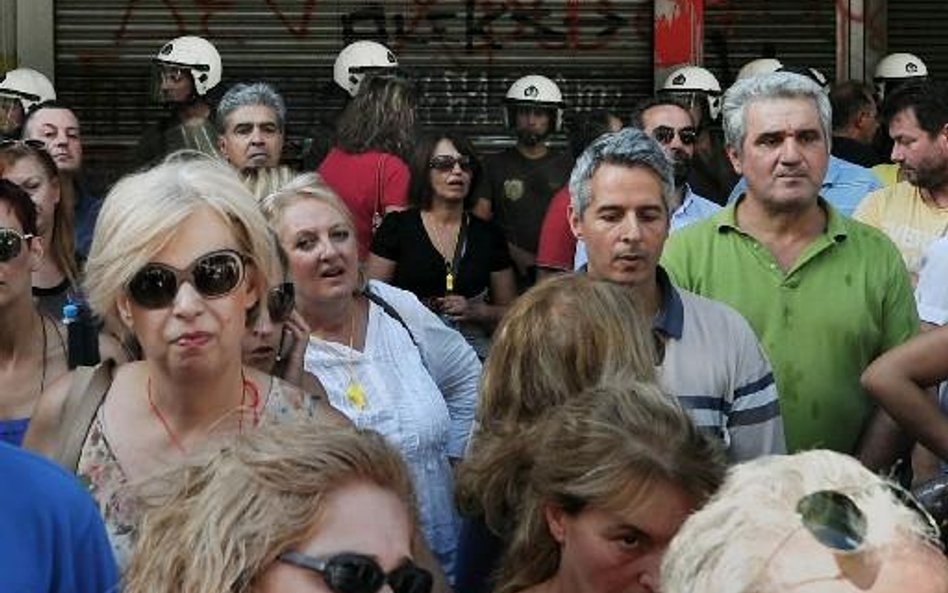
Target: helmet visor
{"type": "Point", "coordinates": [171, 84]}
{"type": "Point", "coordinates": [11, 115]}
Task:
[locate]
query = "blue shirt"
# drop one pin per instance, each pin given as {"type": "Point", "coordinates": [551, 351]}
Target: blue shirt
{"type": "Point", "coordinates": [87, 212]}
{"type": "Point", "coordinates": [51, 536]}
{"type": "Point", "coordinates": [844, 186]}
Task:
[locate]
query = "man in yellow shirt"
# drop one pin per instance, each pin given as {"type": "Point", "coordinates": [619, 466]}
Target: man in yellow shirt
{"type": "Point", "coordinates": [914, 212]}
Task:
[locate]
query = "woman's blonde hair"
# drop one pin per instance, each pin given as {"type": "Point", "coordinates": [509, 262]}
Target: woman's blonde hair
{"type": "Point", "coordinates": [235, 513]}
{"type": "Point", "coordinates": [142, 212]}
{"type": "Point", "coordinates": [263, 181]}
{"type": "Point", "coordinates": [559, 338]}
{"type": "Point", "coordinates": [605, 449]}
{"type": "Point", "coordinates": [62, 248]}
{"type": "Point", "coordinates": [306, 186]}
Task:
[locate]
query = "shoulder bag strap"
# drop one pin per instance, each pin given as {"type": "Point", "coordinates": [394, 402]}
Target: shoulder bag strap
{"type": "Point", "coordinates": [459, 248]}
{"type": "Point", "coordinates": [379, 212]}
{"type": "Point", "coordinates": [83, 401]}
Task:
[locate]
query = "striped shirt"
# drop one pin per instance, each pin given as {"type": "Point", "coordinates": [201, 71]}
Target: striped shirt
{"type": "Point", "coordinates": [717, 369]}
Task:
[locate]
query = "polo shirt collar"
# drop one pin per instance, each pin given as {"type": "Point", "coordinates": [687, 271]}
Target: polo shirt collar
{"type": "Point", "coordinates": [726, 219]}
{"type": "Point", "coordinates": [670, 319]}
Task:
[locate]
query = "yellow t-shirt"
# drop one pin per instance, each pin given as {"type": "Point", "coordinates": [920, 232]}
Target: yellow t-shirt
{"type": "Point", "coordinates": [911, 221]}
{"type": "Point", "coordinates": [888, 173]}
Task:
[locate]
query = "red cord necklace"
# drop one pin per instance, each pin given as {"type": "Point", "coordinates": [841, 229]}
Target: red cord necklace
{"type": "Point", "coordinates": [175, 440]}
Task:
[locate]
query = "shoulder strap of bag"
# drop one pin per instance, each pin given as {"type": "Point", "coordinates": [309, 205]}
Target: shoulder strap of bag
{"type": "Point", "coordinates": [83, 401]}
{"type": "Point", "coordinates": [389, 310]}
{"type": "Point", "coordinates": [459, 247]}
{"type": "Point", "coordinates": [379, 190]}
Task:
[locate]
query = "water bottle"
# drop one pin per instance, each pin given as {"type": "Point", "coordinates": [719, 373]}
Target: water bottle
{"type": "Point", "coordinates": [82, 336]}
{"type": "Point", "coordinates": [73, 334]}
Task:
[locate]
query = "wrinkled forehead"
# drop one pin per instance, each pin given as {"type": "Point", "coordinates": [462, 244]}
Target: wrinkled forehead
{"type": "Point", "coordinates": [59, 117]}
{"type": "Point", "coordinates": [255, 113]}
{"type": "Point", "coordinates": [779, 114]}
{"type": "Point", "coordinates": [673, 116]}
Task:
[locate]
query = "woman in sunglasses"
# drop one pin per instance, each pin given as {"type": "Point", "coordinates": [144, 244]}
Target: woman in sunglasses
{"type": "Point", "coordinates": [180, 260]}
{"type": "Point", "coordinates": [456, 263]}
{"type": "Point", "coordinates": [387, 362]}
{"type": "Point", "coordinates": [599, 518]}
{"type": "Point", "coordinates": [32, 345]}
{"type": "Point", "coordinates": [27, 164]}
{"type": "Point", "coordinates": [281, 511]}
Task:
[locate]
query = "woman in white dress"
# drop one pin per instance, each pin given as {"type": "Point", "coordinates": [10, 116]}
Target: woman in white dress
{"type": "Point", "coordinates": [386, 361]}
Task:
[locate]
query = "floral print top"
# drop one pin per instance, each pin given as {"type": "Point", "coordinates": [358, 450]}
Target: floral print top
{"type": "Point", "coordinates": [119, 503]}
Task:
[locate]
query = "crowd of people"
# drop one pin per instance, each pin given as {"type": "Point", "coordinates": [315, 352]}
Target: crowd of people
{"type": "Point", "coordinates": [699, 352]}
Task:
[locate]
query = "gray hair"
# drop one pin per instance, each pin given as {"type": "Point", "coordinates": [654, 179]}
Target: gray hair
{"type": "Point", "coordinates": [629, 147]}
{"type": "Point", "coordinates": [777, 85]}
{"type": "Point", "coordinates": [732, 539]}
{"type": "Point", "coordinates": [256, 93]}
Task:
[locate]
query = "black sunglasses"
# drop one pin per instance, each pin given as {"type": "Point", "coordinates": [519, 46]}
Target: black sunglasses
{"type": "Point", "coordinates": [446, 162]}
{"type": "Point", "coordinates": [213, 275]}
{"type": "Point", "coordinates": [837, 522]}
{"type": "Point", "coordinates": [280, 302]}
{"type": "Point", "coordinates": [665, 135]}
{"type": "Point", "coordinates": [357, 573]}
{"type": "Point", "coordinates": [11, 243]}
{"type": "Point", "coordinates": [31, 144]}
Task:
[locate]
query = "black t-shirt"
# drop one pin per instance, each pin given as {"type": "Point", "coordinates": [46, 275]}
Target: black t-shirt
{"type": "Point", "coordinates": [421, 269]}
{"type": "Point", "coordinates": [520, 190]}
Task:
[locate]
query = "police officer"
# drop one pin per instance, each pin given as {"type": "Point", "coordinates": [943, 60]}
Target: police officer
{"type": "Point", "coordinates": [21, 91]}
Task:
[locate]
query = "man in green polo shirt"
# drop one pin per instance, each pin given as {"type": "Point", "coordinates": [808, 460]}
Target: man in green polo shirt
{"type": "Point", "coordinates": [825, 294]}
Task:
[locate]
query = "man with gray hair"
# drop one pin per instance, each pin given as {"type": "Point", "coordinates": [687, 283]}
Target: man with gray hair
{"type": "Point", "coordinates": [825, 294]}
{"type": "Point", "coordinates": [814, 522]}
{"type": "Point", "coordinates": [622, 189]}
{"type": "Point", "coordinates": [250, 124]}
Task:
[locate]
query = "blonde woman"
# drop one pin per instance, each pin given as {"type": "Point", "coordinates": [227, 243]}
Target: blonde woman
{"type": "Point", "coordinates": [288, 509]}
{"type": "Point", "coordinates": [600, 518]}
{"type": "Point", "coordinates": [387, 362]}
{"type": "Point", "coordinates": [180, 260]}
{"type": "Point", "coordinates": [559, 338]}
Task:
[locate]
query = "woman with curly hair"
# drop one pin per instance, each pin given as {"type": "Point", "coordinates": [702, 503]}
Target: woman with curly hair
{"type": "Point", "coordinates": [367, 166]}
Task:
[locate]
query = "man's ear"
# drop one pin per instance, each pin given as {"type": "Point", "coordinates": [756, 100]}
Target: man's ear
{"type": "Point", "coordinates": [556, 519]}
{"type": "Point", "coordinates": [575, 222]}
{"type": "Point", "coordinates": [735, 159]}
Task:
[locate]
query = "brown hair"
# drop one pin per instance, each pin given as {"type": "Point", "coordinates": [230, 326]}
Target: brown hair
{"type": "Point", "coordinates": [62, 247]}
{"type": "Point", "coordinates": [622, 437]}
{"type": "Point", "coordinates": [380, 117]}
{"type": "Point", "coordinates": [236, 512]}
{"type": "Point", "coordinates": [559, 338]}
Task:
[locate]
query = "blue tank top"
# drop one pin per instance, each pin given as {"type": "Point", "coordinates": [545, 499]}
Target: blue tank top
{"type": "Point", "coordinates": [13, 431]}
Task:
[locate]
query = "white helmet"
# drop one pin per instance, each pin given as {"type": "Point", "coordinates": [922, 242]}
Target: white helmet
{"type": "Point", "coordinates": [534, 90]}
{"type": "Point", "coordinates": [197, 55]}
{"type": "Point", "coordinates": [359, 58]}
{"type": "Point", "coordinates": [28, 86]}
{"type": "Point", "coordinates": [759, 66]}
{"type": "Point", "coordinates": [898, 67]}
{"type": "Point", "coordinates": [695, 79]}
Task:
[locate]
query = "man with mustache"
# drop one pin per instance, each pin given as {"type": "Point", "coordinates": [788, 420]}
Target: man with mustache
{"type": "Point", "coordinates": [250, 121]}
{"type": "Point", "coordinates": [825, 294]}
{"type": "Point", "coordinates": [914, 212]}
{"type": "Point", "coordinates": [621, 192]}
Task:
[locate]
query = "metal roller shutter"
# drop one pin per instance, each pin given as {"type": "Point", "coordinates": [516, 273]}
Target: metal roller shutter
{"type": "Point", "coordinates": [798, 32]}
{"type": "Point", "coordinates": [921, 27]}
{"type": "Point", "coordinates": [463, 53]}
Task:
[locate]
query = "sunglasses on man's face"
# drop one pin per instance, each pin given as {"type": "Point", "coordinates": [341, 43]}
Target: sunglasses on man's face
{"type": "Point", "coordinates": [357, 573]}
{"type": "Point", "coordinates": [665, 135]}
{"type": "Point", "coordinates": [11, 243]}
{"type": "Point", "coordinates": [212, 275]}
{"type": "Point", "coordinates": [280, 302]}
{"type": "Point", "coordinates": [446, 162]}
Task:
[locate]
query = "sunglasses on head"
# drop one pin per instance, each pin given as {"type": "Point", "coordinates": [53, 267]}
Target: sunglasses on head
{"type": "Point", "coordinates": [11, 243]}
{"type": "Point", "coordinates": [213, 275]}
{"type": "Point", "coordinates": [280, 302]}
{"type": "Point", "coordinates": [31, 144]}
{"type": "Point", "coordinates": [357, 573]}
{"type": "Point", "coordinates": [446, 162]}
{"type": "Point", "coordinates": [837, 522]}
{"type": "Point", "coordinates": [665, 135]}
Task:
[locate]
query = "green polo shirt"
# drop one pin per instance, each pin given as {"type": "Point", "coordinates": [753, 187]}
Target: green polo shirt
{"type": "Point", "coordinates": [846, 300]}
